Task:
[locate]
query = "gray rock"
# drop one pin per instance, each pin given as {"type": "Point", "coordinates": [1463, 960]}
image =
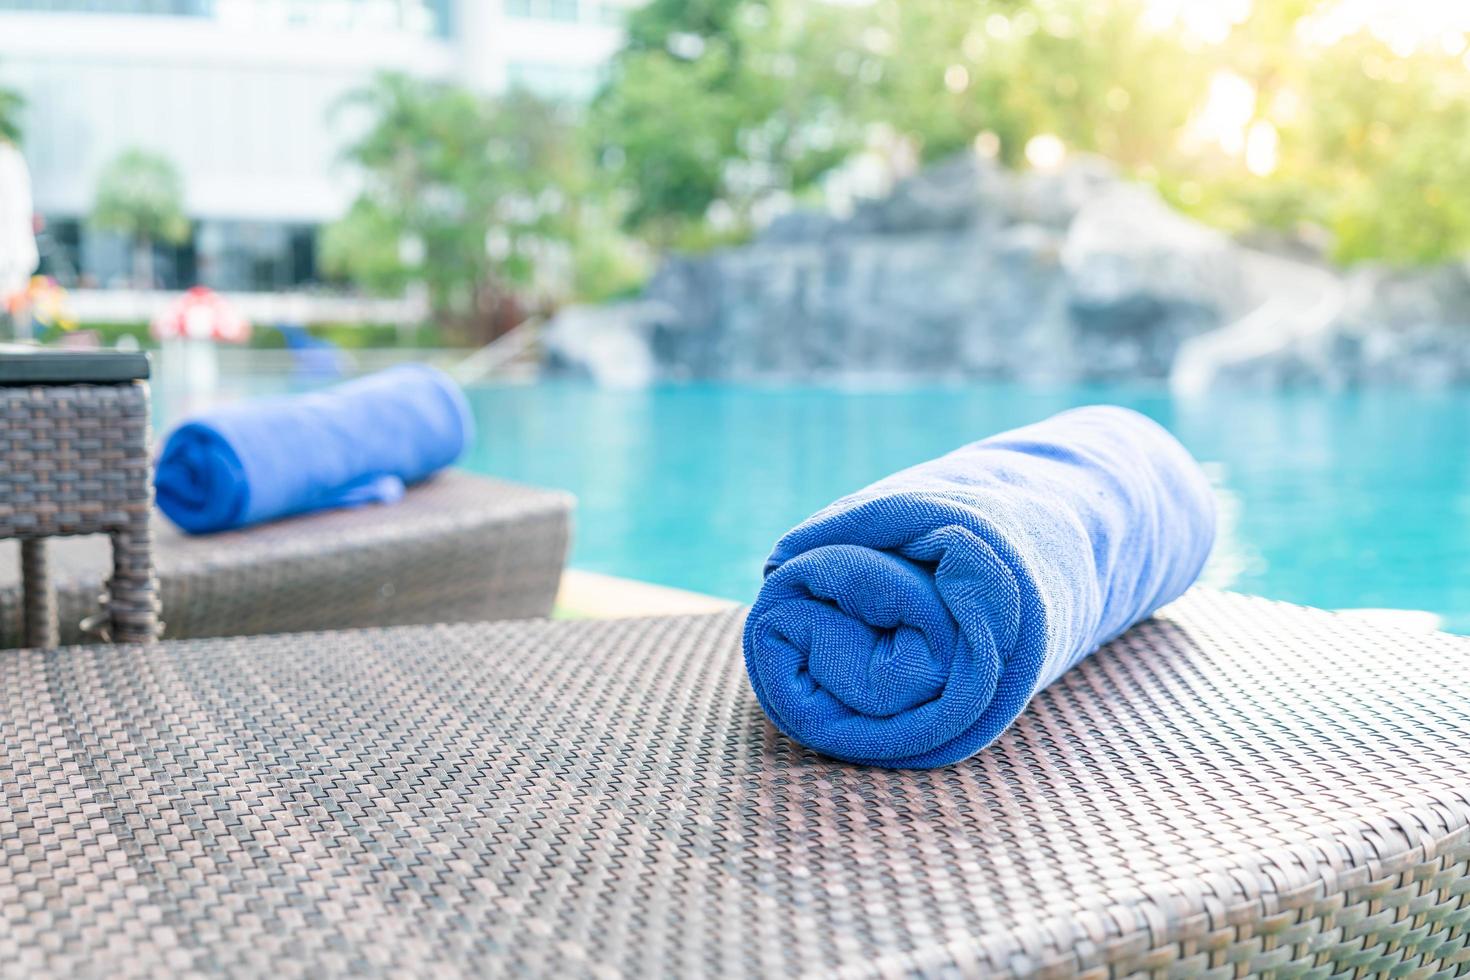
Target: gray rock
{"type": "Point", "coordinates": [949, 196]}
{"type": "Point", "coordinates": [1393, 327]}
{"type": "Point", "coordinates": [1141, 279]}
{"type": "Point", "coordinates": [1126, 251]}
{"type": "Point", "coordinates": [1054, 197]}
{"type": "Point", "coordinates": [1409, 328]}
{"type": "Point", "coordinates": [605, 344]}
{"type": "Point", "coordinates": [970, 271]}
{"type": "Point", "coordinates": [1398, 299]}
{"type": "Point", "coordinates": [800, 226]}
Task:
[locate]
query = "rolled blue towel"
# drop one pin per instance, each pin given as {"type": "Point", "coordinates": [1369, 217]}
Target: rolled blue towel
{"type": "Point", "coordinates": [359, 442]}
{"type": "Point", "coordinates": [907, 625]}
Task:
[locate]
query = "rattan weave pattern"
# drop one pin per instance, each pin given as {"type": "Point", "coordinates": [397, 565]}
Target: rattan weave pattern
{"type": "Point", "coordinates": [1237, 787]}
{"type": "Point", "coordinates": [457, 548]}
{"type": "Point", "coordinates": [74, 460]}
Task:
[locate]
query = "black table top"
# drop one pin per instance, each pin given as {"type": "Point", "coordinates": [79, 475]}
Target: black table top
{"type": "Point", "coordinates": [26, 365]}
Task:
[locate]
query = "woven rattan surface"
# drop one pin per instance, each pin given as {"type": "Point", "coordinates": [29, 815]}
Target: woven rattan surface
{"type": "Point", "coordinates": [1237, 787]}
{"type": "Point", "coordinates": [457, 548]}
{"type": "Point", "coordinates": [74, 460]}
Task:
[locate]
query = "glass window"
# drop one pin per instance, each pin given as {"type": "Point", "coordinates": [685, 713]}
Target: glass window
{"type": "Point", "coordinates": [174, 8]}
{"type": "Point", "coordinates": [105, 260]}
{"type": "Point", "coordinates": [60, 245]}
{"type": "Point", "coordinates": [553, 81]}
{"type": "Point", "coordinates": [565, 11]}
{"type": "Point", "coordinates": [425, 17]}
{"type": "Point", "coordinates": [255, 256]}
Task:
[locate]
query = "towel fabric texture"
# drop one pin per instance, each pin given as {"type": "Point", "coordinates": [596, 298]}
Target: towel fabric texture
{"type": "Point", "coordinates": [907, 625]}
{"type": "Point", "coordinates": [360, 442]}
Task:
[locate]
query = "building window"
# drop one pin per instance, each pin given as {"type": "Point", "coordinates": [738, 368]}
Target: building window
{"type": "Point", "coordinates": [255, 256]}
{"type": "Point", "coordinates": [104, 260]}
{"type": "Point", "coordinates": [60, 245]}
{"type": "Point", "coordinates": [560, 10]}
{"type": "Point", "coordinates": [424, 17]}
{"type": "Point", "coordinates": [230, 256]}
{"type": "Point", "coordinates": [553, 81]}
{"type": "Point", "coordinates": [171, 8]}
{"type": "Point", "coordinates": [565, 11]}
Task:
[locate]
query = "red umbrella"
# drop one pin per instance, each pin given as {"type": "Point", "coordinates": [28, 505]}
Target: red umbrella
{"type": "Point", "coordinates": [201, 314]}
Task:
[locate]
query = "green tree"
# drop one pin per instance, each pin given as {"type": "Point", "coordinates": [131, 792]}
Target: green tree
{"type": "Point", "coordinates": [1391, 154]}
{"type": "Point", "coordinates": [1370, 140]}
{"type": "Point", "coordinates": [140, 195]}
{"type": "Point", "coordinates": [716, 105]}
{"type": "Point", "coordinates": [1372, 151]}
{"type": "Point", "coordinates": [668, 154]}
{"type": "Point", "coordinates": [11, 104]}
{"type": "Point", "coordinates": [1087, 71]}
{"type": "Point", "coordinates": [482, 201]}
{"type": "Point", "coordinates": [731, 102]}
{"type": "Point", "coordinates": [652, 26]}
{"type": "Point", "coordinates": [723, 102]}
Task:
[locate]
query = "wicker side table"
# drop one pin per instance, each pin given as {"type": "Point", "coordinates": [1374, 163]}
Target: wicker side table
{"type": "Point", "coordinates": [74, 460]}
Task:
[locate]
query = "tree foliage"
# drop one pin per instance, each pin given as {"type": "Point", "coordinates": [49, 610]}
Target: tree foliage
{"type": "Point", "coordinates": [477, 199]}
{"type": "Point", "coordinates": [11, 104]}
{"type": "Point", "coordinates": [651, 26]}
{"type": "Point", "coordinates": [728, 103]}
{"type": "Point", "coordinates": [1368, 140]}
{"type": "Point", "coordinates": [718, 113]}
{"type": "Point", "coordinates": [722, 102]}
{"type": "Point", "coordinates": [1373, 150]}
{"type": "Point", "coordinates": [140, 194]}
{"type": "Point", "coordinates": [1086, 71]}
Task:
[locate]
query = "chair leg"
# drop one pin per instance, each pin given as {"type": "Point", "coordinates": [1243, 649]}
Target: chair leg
{"type": "Point", "coordinates": [41, 630]}
{"type": "Point", "coordinates": [132, 592]}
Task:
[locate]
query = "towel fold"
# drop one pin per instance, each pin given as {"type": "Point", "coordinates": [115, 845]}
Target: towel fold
{"type": "Point", "coordinates": [907, 625]}
{"type": "Point", "coordinates": [360, 442]}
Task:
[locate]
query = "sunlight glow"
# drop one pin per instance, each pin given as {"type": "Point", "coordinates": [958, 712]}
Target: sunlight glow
{"type": "Point", "coordinates": [1261, 145]}
{"type": "Point", "coordinates": [1045, 151]}
{"type": "Point", "coordinates": [987, 144]}
{"type": "Point", "coordinates": [1209, 21]}
{"type": "Point", "coordinates": [1227, 111]}
{"type": "Point", "coordinates": [1405, 26]}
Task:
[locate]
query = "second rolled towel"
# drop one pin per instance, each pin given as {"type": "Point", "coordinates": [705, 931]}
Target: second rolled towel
{"type": "Point", "coordinates": [360, 442]}
{"type": "Point", "coordinates": [907, 625]}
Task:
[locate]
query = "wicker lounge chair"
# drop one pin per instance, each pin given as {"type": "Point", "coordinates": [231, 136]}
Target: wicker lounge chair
{"type": "Point", "coordinates": [1236, 787]}
{"type": "Point", "coordinates": [457, 548]}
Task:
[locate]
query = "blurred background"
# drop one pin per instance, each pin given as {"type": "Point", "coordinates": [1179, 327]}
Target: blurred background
{"type": "Point", "coordinates": [710, 264]}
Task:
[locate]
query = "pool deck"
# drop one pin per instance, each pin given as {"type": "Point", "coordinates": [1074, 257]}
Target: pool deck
{"type": "Point", "coordinates": [592, 595]}
{"type": "Point", "coordinates": [1411, 620]}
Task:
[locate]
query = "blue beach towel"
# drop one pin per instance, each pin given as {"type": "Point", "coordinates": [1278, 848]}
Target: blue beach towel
{"type": "Point", "coordinates": [908, 624]}
{"type": "Point", "coordinates": [357, 443]}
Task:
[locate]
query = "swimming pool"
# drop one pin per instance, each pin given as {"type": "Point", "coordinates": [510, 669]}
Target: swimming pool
{"type": "Point", "coordinates": [1336, 500]}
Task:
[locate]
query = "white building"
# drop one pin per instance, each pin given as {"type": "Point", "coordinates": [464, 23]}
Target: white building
{"type": "Point", "coordinates": [239, 94]}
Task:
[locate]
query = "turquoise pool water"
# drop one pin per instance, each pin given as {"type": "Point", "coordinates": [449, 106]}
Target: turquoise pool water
{"type": "Point", "coordinates": [1336, 500]}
